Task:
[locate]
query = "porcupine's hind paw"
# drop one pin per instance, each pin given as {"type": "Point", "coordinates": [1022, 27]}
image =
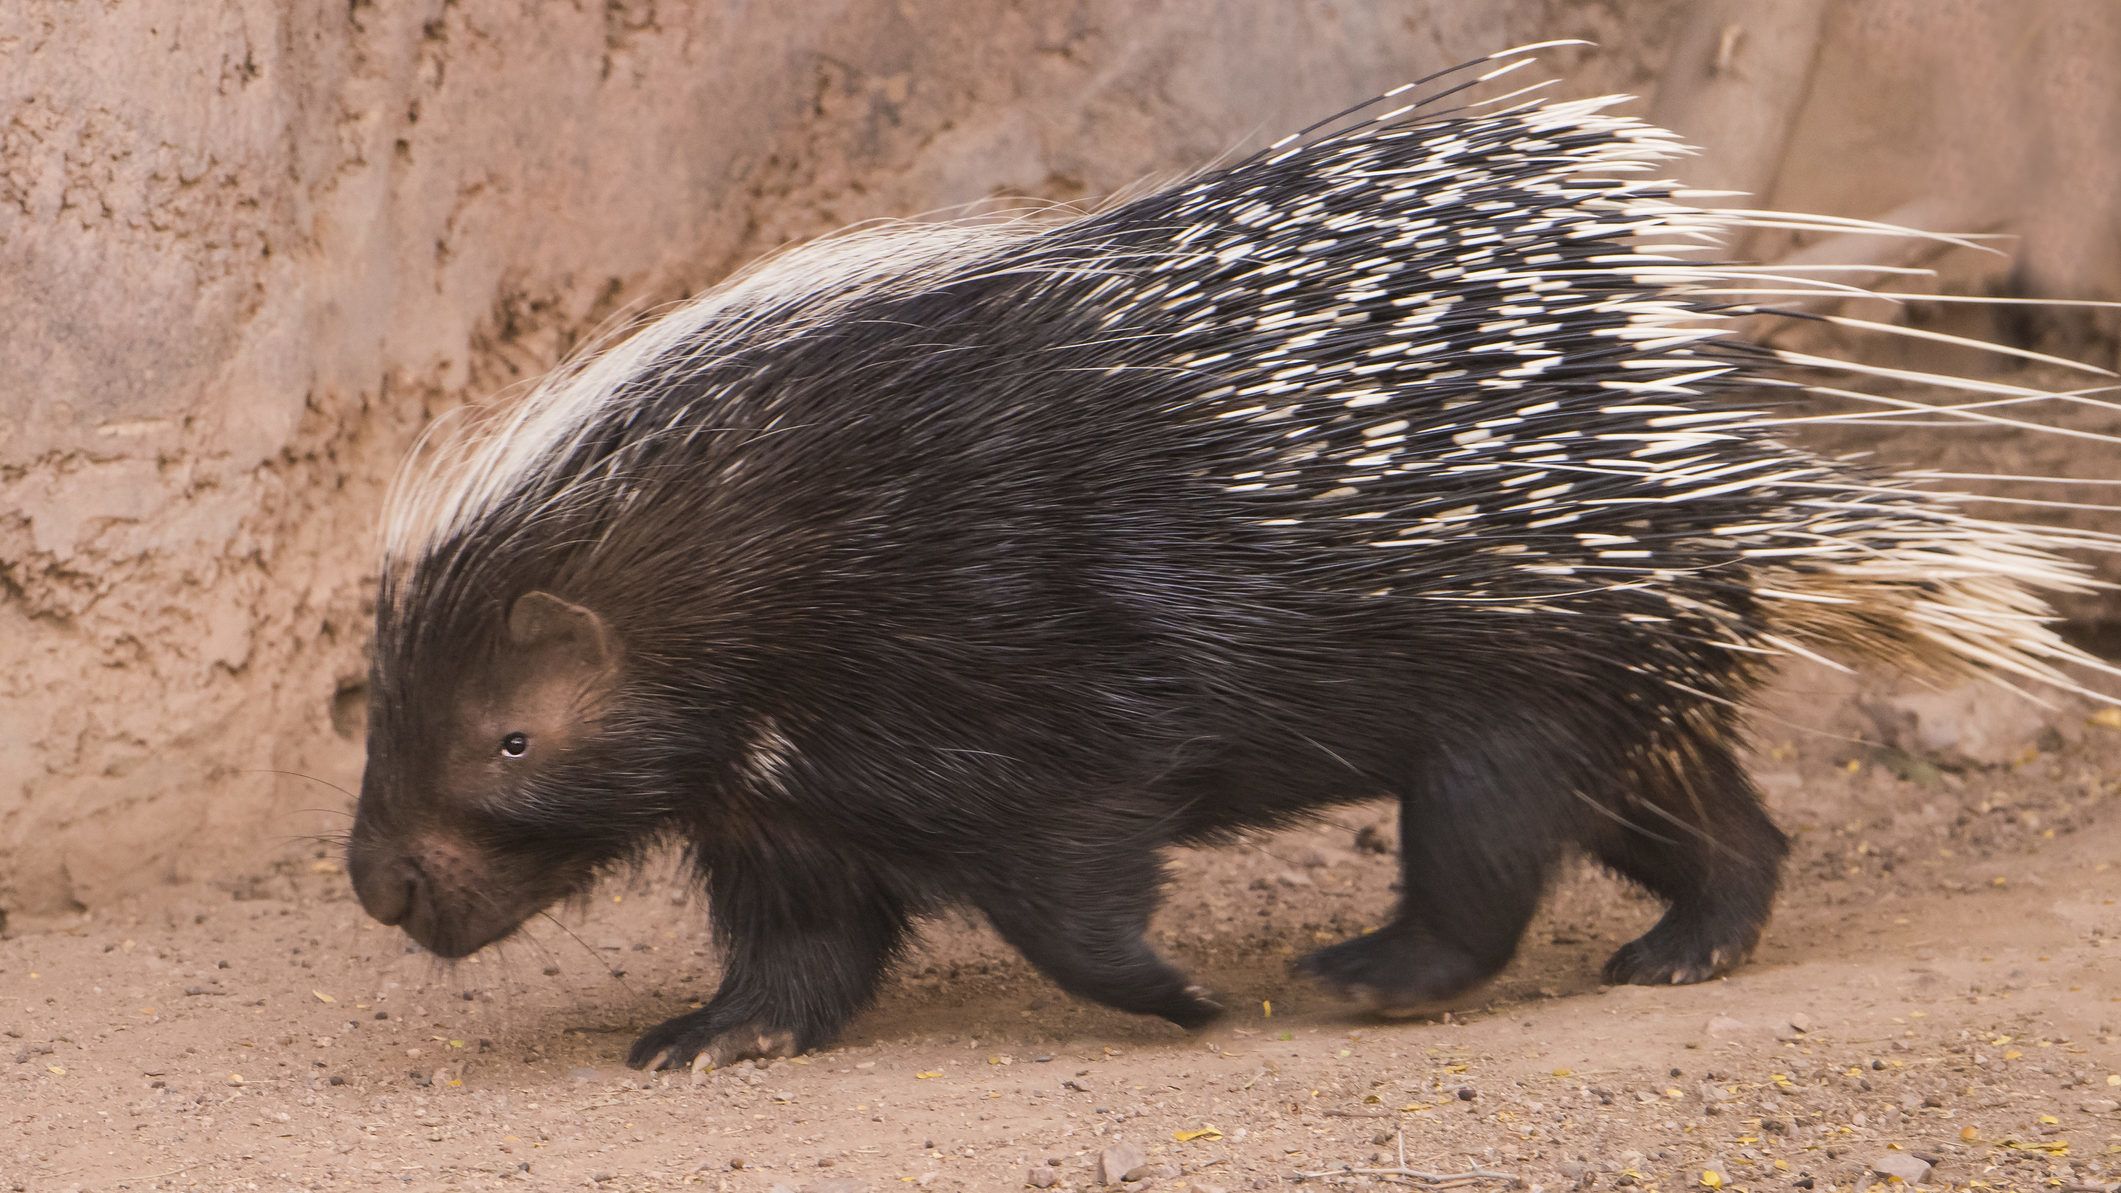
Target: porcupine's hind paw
{"type": "Point", "coordinates": [1680, 952]}
{"type": "Point", "coordinates": [1717, 903]}
{"type": "Point", "coordinates": [703, 1040]}
{"type": "Point", "coordinates": [1397, 972]}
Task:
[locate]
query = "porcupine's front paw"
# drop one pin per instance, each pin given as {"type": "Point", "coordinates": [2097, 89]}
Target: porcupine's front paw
{"type": "Point", "coordinates": [1396, 973]}
{"type": "Point", "coordinates": [708, 1039]}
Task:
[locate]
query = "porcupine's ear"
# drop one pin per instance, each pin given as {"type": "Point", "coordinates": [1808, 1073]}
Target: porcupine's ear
{"type": "Point", "coordinates": [564, 633]}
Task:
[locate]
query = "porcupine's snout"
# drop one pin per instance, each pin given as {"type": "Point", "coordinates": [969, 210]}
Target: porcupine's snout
{"type": "Point", "coordinates": [430, 889]}
{"type": "Point", "coordinates": [389, 888]}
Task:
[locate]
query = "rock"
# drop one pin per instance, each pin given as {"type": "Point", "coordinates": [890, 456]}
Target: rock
{"type": "Point", "coordinates": [1115, 1162]}
{"type": "Point", "coordinates": [2099, 1106]}
{"type": "Point", "coordinates": [1965, 725]}
{"type": "Point", "coordinates": [1801, 1023]}
{"type": "Point", "coordinates": [1724, 1025]}
{"type": "Point", "coordinates": [1912, 1169]}
{"type": "Point", "coordinates": [1042, 1177]}
{"type": "Point", "coordinates": [1151, 1172]}
{"type": "Point", "coordinates": [1293, 878]}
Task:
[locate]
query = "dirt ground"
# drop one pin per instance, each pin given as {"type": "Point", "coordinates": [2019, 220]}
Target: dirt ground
{"type": "Point", "coordinates": [1939, 999]}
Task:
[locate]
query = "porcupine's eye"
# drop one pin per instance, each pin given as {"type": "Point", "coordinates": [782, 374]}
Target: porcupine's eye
{"type": "Point", "coordinates": [515, 745]}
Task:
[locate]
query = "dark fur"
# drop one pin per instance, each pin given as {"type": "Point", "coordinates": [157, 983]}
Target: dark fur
{"type": "Point", "coordinates": [1020, 638]}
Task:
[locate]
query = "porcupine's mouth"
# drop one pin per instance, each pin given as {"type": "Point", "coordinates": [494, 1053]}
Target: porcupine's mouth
{"type": "Point", "coordinates": [453, 908]}
{"type": "Point", "coordinates": [452, 933]}
{"type": "Point", "coordinates": [452, 937]}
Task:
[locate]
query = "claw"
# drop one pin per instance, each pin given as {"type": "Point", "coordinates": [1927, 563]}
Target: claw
{"type": "Point", "coordinates": [1207, 1000]}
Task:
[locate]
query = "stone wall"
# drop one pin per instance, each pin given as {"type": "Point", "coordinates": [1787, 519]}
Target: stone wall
{"type": "Point", "coordinates": [248, 248]}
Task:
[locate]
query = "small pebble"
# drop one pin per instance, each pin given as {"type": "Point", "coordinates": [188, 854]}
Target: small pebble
{"type": "Point", "coordinates": [1115, 1162]}
{"type": "Point", "coordinates": [1042, 1178]}
{"type": "Point", "coordinates": [1912, 1169]}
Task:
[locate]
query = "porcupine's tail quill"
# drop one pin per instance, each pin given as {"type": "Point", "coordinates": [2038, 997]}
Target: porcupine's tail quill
{"type": "Point", "coordinates": [1911, 577]}
{"type": "Point", "coordinates": [1894, 568]}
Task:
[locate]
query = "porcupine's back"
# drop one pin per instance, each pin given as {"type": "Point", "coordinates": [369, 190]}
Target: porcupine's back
{"type": "Point", "coordinates": [1448, 390]}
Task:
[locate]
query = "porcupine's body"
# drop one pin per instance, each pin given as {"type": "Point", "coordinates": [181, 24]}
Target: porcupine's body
{"type": "Point", "coordinates": [975, 564]}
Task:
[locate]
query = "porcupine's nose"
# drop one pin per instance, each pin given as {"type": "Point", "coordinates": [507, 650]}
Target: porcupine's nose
{"type": "Point", "coordinates": [388, 887]}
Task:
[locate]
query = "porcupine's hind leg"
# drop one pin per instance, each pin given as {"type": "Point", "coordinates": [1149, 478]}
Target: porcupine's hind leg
{"type": "Point", "coordinates": [1479, 836]}
{"type": "Point", "coordinates": [1693, 832]}
{"type": "Point", "coordinates": [1079, 915]}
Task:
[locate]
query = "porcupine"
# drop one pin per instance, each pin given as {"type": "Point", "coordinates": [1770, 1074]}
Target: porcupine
{"type": "Point", "coordinates": [974, 564]}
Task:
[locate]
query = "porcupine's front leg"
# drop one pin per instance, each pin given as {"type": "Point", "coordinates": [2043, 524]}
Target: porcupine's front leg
{"type": "Point", "coordinates": [804, 947]}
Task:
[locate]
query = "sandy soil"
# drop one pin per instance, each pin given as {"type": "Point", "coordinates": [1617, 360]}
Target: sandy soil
{"type": "Point", "coordinates": [1943, 987]}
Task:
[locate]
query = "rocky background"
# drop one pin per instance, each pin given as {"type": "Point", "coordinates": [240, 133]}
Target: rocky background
{"type": "Point", "coordinates": [247, 249]}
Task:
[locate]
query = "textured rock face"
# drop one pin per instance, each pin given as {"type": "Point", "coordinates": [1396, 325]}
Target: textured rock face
{"type": "Point", "coordinates": [247, 249]}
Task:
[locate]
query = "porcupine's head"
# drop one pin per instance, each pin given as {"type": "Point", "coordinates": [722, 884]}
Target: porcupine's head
{"type": "Point", "coordinates": [511, 755]}
{"type": "Point", "coordinates": [497, 776]}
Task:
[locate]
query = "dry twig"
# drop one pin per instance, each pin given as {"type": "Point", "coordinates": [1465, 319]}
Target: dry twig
{"type": "Point", "coordinates": [1417, 1176]}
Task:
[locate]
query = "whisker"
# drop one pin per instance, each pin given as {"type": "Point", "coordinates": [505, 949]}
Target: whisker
{"type": "Point", "coordinates": [295, 774]}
